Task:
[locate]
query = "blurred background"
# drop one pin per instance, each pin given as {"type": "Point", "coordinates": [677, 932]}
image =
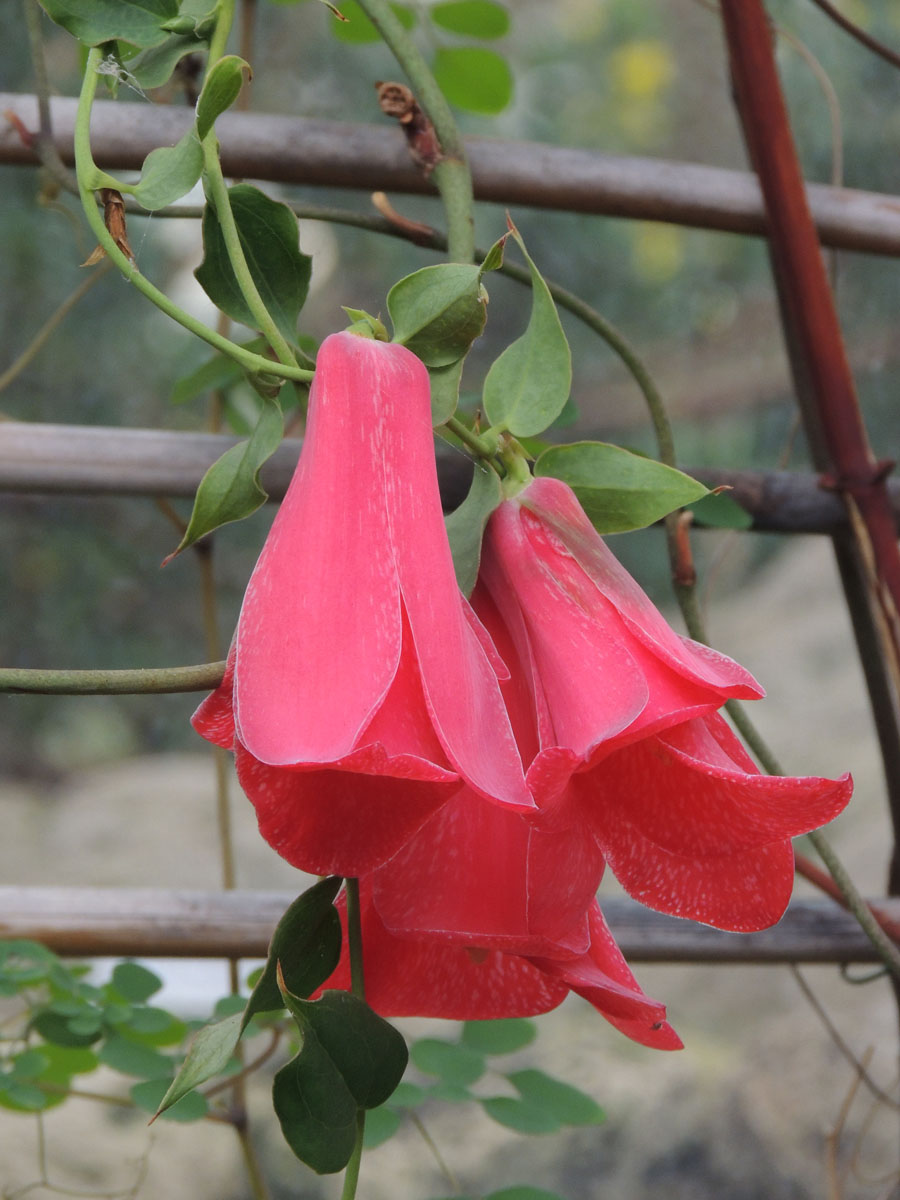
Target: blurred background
{"type": "Point", "coordinates": [119, 789]}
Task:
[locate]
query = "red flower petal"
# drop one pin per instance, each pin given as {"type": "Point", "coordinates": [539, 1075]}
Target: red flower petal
{"type": "Point", "coordinates": [689, 825]}
{"type": "Point", "coordinates": [603, 978]}
{"type": "Point", "coordinates": [478, 875]}
{"type": "Point", "coordinates": [318, 640]}
{"type": "Point", "coordinates": [406, 978]}
{"type": "Point", "coordinates": [562, 526]}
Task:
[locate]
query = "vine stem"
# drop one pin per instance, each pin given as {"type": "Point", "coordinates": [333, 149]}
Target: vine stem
{"type": "Point", "coordinates": [451, 175]}
{"type": "Point", "coordinates": [89, 178]}
{"type": "Point", "coordinates": [134, 682]}
{"type": "Point", "coordinates": [358, 988]}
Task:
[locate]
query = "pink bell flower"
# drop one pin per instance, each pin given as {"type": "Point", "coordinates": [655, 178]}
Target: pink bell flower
{"type": "Point", "coordinates": [616, 718]}
{"type": "Point", "coordinates": [361, 690]}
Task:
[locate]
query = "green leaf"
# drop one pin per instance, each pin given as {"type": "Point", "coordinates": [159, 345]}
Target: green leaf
{"type": "Point", "coordinates": [617, 489]}
{"type": "Point", "coordinates": [527, 386]}
{"type": "Point", "coordinates": [153, 67]}
{"type": "Point", "coordinates": [450, 1093]}
{"type": "Point", "coordinates": [208, 1055]}
{"type": "Point", "coordinates": [307, 945]}
{"type": "Point", "coordinates": [93, 22]}
{"type": "Point", "coordinates": [131, 1058]}
{"type": "Point", "coordinates": [472, 18]}
{"type": "Point", "coordinates": [499, 1037]}
{"type": "Point", "coordinates": [269, 235]}
{"type": "Point", "coordinates": [473, 78]}
{"type": "Point", "coordinates": [23, 1097]}
{"type": "Point", "coordinates": [520, 1115]}
{"type": "Point", "coordinates": [65, 1061]}
{"type": "Point", "coordinates": [455, 1064]}
{"type": "Point", "coordinates": [465, 529]}
{"type": "Point", "coordinates": [154, 1023]}
{"type": "Point", "coordinates": [523, 1191]}
{"type": "Point", "coordinates": [718, 510]}
{"type": "Point", "coordinates": [230, 490]}
{"type": "Point", "coordinates": [358, 30]}
{"type": "Point", "coordinates": [23, 963]}
{"type": "Point", "coordinates": [150, 1094]}
{"type": "Point", "coordinates": [439, 311]}
{"type": "Point", "coordinates": [315, 1108]}
{"type": "Point", "coordinates": [227, 1006]}
{"type": "Point", "coordinates": [29, 1064]}
{"type": "Point", "coordinates": [566, 1104]}
{"type": "Point", "coordinates": [445, 390]}
{"type": "Point", "coordinates": [369, 1054]}
{"type": "Point", "coordinates": [220, 90]}
{"type": "Point", "coordinates": [381, 1125]}
{"type": "Point", "coordinates": [407, 1095]}
{"type": "Point", "coordinates": [169, 173]}
{"type": "Point", "coordinates": [53, 1027]}
{"type": "Point", "coordinates": [135, 982]}
{"type": "Point", "coordinates": [218, 372]}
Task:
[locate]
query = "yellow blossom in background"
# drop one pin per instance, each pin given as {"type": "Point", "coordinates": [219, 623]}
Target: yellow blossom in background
{"type": "Point", "coordinates": [657, 252]}
{"type": "Point", "coordinates": [641, 70]}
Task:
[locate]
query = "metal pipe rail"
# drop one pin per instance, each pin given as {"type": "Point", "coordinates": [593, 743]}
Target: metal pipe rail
{"type": "Point", "coordinates": [149, 922]}
{"type": "Point", "coordinates": [323, 153]}
{"type": "Point", "coordinates": [93, 460]}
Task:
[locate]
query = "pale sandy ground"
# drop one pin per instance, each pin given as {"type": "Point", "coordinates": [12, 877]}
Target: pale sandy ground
{"type": "Point", "coordinates": [743, 1112]}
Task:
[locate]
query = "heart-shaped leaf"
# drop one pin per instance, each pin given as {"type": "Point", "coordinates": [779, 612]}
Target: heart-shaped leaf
{"type": "Point", "coordinates": [269, 236]}
{"type": "Point", "coordinates": [169, 173]}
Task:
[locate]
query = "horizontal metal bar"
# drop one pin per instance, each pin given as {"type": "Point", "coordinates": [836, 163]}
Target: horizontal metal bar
{"type": "Point", "coordinates": [155, 923]}
{"type": "Point", "coordinates": [95, 460]}
{"type": "Point", "coordinates": [303, 150]}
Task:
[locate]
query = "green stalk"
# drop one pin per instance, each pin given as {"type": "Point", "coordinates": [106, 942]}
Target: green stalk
{"type": "Point", "coordinates": [451, 175]}
{"type": "Point", "coordinates": [218, 194]}
{"type": "Point", "coordinates": [90, 178]}
{"type": "Point", "coordinates": [358, 988]}
{"type": "Point", "coordinates": [219, 39]}
{"type": "Point", "coordinates": [139, 681]}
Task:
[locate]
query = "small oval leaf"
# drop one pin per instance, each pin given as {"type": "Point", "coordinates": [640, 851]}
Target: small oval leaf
{"type": "Point", "coordinates": [566, 1104]}
{"type": "Point", "coordinates": [617, 489]}
{"type": "Point", "coordinates": [473, 78]}
{"type": "Point", "coordinates": [499, 1037]}
{"type": "Point", "coordinates": [527, 387]}
{"type": "Point", "coordinates": [454, 1064]}
{"type": "Point", "coordinates": [357, 30]}
{"type": "Point", "coordinates": [135, 982]}
{"type": "Point", "coordinates": [439, 311]}
{"type": "Point", "coordinates": [316, 1112]}
{"type": "Point", "coordinates": [472, 18]}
